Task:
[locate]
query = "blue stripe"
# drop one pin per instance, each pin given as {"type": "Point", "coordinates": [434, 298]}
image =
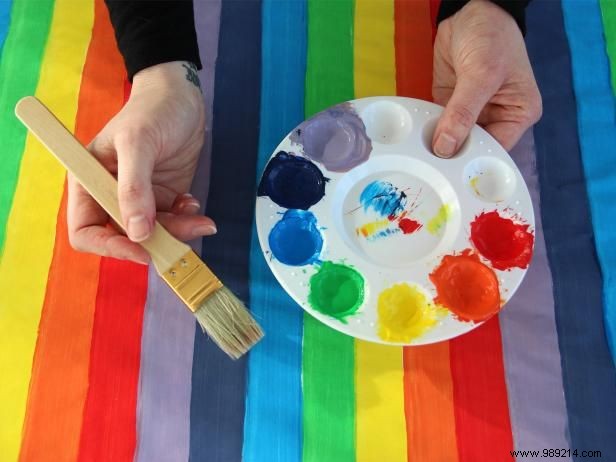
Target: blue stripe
{"type": "Point", "coordinates": [589, 378]}
{"type": "Point", "coordinates": [597, 127]}
{"type": "Point", "coordinates": [5, 17]}
{"type": "Point", "coordinates": [218, 383]}
{"type": "Point", "coordinates": [273, 427]}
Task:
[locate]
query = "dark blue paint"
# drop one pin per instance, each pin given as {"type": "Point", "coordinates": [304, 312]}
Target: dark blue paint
{"type": "Point", "coordinates": [296, 240]}
{"type": "Point", "coordinates": [292, 182]}
{"type": "Point", "coordinates": [589, 378]}
{"type": "Point", "coordinates": [384, 198]}
{"type": "Point", "coordinates": [219, 383]}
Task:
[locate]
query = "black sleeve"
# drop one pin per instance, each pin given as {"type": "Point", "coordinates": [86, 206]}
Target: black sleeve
{"type": "Point", "coordinates": [515, 8]}
{"type": "Point", "coordinates": [150, 32]}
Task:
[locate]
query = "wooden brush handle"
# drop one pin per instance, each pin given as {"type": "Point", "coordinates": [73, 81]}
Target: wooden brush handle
{"type": "Point", "coordinates": [164, 249]}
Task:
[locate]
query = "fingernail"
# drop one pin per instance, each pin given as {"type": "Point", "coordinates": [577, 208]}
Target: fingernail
{"type": "Point", "coordinates": [138, 228]}
{"type": "Point", "coordinates": [204, 230]}
{"type": "Point", "coordinates": [190, 205]}
{"type": "Point", "coordinates": [445, 145]}
{"type": "Point", "coordinates": [186, 195]}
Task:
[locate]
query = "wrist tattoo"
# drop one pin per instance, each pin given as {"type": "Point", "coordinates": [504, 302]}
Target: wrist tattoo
{"type": "Point", "coordinates": [191, 74]}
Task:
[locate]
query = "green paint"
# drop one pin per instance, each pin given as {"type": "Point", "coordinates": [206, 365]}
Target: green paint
{"type": "Point", "coordinates": [437, 222]}
{"type": "Point", "coordinates": [336, 290]}
{"type": "Point", "coordinates": [608, 13]}
{"type": "Point", "coordinates": [328, 372]}
{"type": "Point", "coordinates": [19, 73]}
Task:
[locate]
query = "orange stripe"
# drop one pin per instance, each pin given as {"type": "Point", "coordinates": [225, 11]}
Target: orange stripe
{"type": "Point", "coordinates": [428, 404]}
{"type": "Point", "coordinates": [413, 40]}
{"type": "Point", "coordinates": [59, 380]}
{"type": "Point", "coordinates": [428, 397]}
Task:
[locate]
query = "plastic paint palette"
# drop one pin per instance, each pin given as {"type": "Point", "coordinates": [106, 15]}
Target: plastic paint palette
{"type": "Point", "coordinates": [378, 238]}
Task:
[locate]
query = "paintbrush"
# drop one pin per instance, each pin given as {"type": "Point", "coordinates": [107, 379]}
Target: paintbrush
{"type": "Point", "coordinates": [220, 313]}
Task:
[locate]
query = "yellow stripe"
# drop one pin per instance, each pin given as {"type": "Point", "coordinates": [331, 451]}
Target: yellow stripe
{"type": "Point", "coordinates": [379, 379]}
{"type": "Point", "coordinates": [32, 221]}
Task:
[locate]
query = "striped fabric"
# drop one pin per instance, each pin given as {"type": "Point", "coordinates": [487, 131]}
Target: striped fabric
{"type": "Point", "coordinates": [100, 362]}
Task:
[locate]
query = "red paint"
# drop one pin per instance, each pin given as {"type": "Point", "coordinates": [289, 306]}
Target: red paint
{"type": "Point", "coordinates": [500, 240]}
{"type": "Point", "coordinates": [467, 287]}
{"type": "Point", "coordinates": [481, 411]}
{"type": "Point", "coordinates": [408, 226]}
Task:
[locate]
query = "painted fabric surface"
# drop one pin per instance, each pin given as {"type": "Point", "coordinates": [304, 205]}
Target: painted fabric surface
{"type": "Point", "coordinates": [99, 361]}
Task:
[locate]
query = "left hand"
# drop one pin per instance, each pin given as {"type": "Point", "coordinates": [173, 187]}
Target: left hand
{"type": "Point", "coordinates": [483, 75]}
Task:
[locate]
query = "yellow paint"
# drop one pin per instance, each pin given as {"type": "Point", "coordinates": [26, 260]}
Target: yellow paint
{"type": "Point", "coordinates": [371, 228]}
{"type": "Point", "coordinates": [379, 371]}
{"type": "Point", "coordinates": [474, 185]}
{"type": "Point", "coordinates": [32, 222]}
{"type": "Point", "coordinates": [437, 222]}
{"type": "Point", "coordinates": [405, 313]}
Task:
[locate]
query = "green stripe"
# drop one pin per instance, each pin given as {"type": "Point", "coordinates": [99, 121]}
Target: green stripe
{"type": "Point", "coordinates": [328, 356]}
{"type": "Point", "coordinates": [608, 12]}
{"type": "Point", "coordinates": [19, 74]}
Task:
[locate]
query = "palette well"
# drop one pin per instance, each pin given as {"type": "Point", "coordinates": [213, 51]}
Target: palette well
{"type": "Point", "coordinates": [378, 238]}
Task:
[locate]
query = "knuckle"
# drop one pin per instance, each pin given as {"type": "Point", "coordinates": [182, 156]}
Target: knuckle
{"type": "Point", "coordinates": [130, 191]}
{"type": "Point", "coordinates": [463, 116]}
{"type": "Point", "coordinates": [75, 242]}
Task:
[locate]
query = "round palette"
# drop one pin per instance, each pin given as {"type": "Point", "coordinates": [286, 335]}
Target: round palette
{"type": "Point", "coordinates": [378, 238]}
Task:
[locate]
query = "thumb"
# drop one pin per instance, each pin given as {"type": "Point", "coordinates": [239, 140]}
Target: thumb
{"type": "Point", "coordinates": [469, 97]}
{"type": "Point", "coordinates": [135, 194]}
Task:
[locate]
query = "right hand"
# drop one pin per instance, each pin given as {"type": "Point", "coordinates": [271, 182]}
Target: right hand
{"type": "Point", "coordinates": [153, 146]}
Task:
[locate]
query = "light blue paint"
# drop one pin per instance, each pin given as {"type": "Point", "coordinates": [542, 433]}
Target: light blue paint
{"type": "Point", "coordinates": [597, 130]}
{"type": "Point", "coordinates": [5, 17]}
{"type": "Point", "coordinates": [384, 198]}
{"type": "Point", "coordinates": [273, 424]}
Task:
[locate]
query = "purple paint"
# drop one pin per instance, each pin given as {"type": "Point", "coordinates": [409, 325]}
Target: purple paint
{"type": "Point", "coordinates": [292, 182]}
{"type": "Point", "coordinates": [335, 137]}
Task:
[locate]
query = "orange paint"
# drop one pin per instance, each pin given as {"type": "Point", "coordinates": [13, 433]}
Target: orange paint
{"type": "Point", "coordinates": [467, 287]}
{"type": "Point", "coordinates": [59, 381]}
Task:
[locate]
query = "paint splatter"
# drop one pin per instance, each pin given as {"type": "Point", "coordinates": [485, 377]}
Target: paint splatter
{"type": "Point", "coordinates": [405, 313]}
{"type": "Point", "coordinates": [438, 221]}
{"type": "Point", "coordinates": [387, 201]}
{"type": "Point", "coordinates": [474, 185]}
{"type": "Point", "coordinates": [500, 240]}
{"type": "Point", "coordinates": [296, 240]}
{"type": "Point", "coordinates": [467, 287]}
{"type": "Point", "coordinates": [292, 182]}
{"type": "Point", "coordinates": [335, 137]}
{"type": "Point", "coordinates": [408, 226]}
{"type": "Point", "coordinates": [384, 198]}
{"type": "Point", "coordinates": [369, 229]}
{"type": "Point", "coordinates": [336, 290]}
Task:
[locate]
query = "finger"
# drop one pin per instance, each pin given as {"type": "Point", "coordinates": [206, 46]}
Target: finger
{"type": "Point", "coordinates": [506, 133]}
{"type": "Point", "coordinates": [107, 242]}
{"type": "Point", "coordinates": [469, 97]}
{"type": "Point", "coordinates": [82, 212]}
{"type": "Point", "coordinates": [136, 157]}
{"type": "Point", "coordinates": [187, 227]}
{"type": "Point", "coordinates": [185, 204]}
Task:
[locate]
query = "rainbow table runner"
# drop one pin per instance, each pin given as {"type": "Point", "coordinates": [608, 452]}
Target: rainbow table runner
{"type": "Point", "coordinates": [99, 361]}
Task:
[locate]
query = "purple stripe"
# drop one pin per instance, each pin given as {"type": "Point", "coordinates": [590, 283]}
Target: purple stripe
{"type": "Point", "coordinates": [163, 404]}
{"type": "Point", "coordinates": [530, 345]}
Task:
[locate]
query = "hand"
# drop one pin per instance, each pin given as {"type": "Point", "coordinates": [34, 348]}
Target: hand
{"type": "Point", "coordinates": [153, 146]}
{"type": "Point", "coordinates": [482, 74]}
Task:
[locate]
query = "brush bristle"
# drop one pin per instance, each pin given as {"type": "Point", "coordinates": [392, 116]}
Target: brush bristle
{"type": "Point", "coordinates": [228, 323]}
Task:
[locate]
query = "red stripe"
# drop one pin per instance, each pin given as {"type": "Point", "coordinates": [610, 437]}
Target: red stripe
{"type": "Point", "coordinates": [481, 407]}
{"type": "Point", "coordinates": [413, 42]}
{"type": "Point", "coordinates": [434, 6]}
{"type": "Point", "coordinates": [109, 421]}
{"type": "Point", "coordinates": [109, 424]}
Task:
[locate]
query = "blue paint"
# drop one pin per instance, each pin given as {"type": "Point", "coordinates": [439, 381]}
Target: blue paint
{"type": "Point", "coordinates": [292, 182]}
{"type": "Point", "coordinates": [589, 379]}
{"type": "Point", "coordinates": [275, 363]}
{"type": "Point", "coordinates": [384, 198]}
{"type": "Point", "coordinates": [5, 18]}
{"type": "Point", "coordinates": [296, 240]}
{"type": "Point", "coordinates": [384, 233]}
